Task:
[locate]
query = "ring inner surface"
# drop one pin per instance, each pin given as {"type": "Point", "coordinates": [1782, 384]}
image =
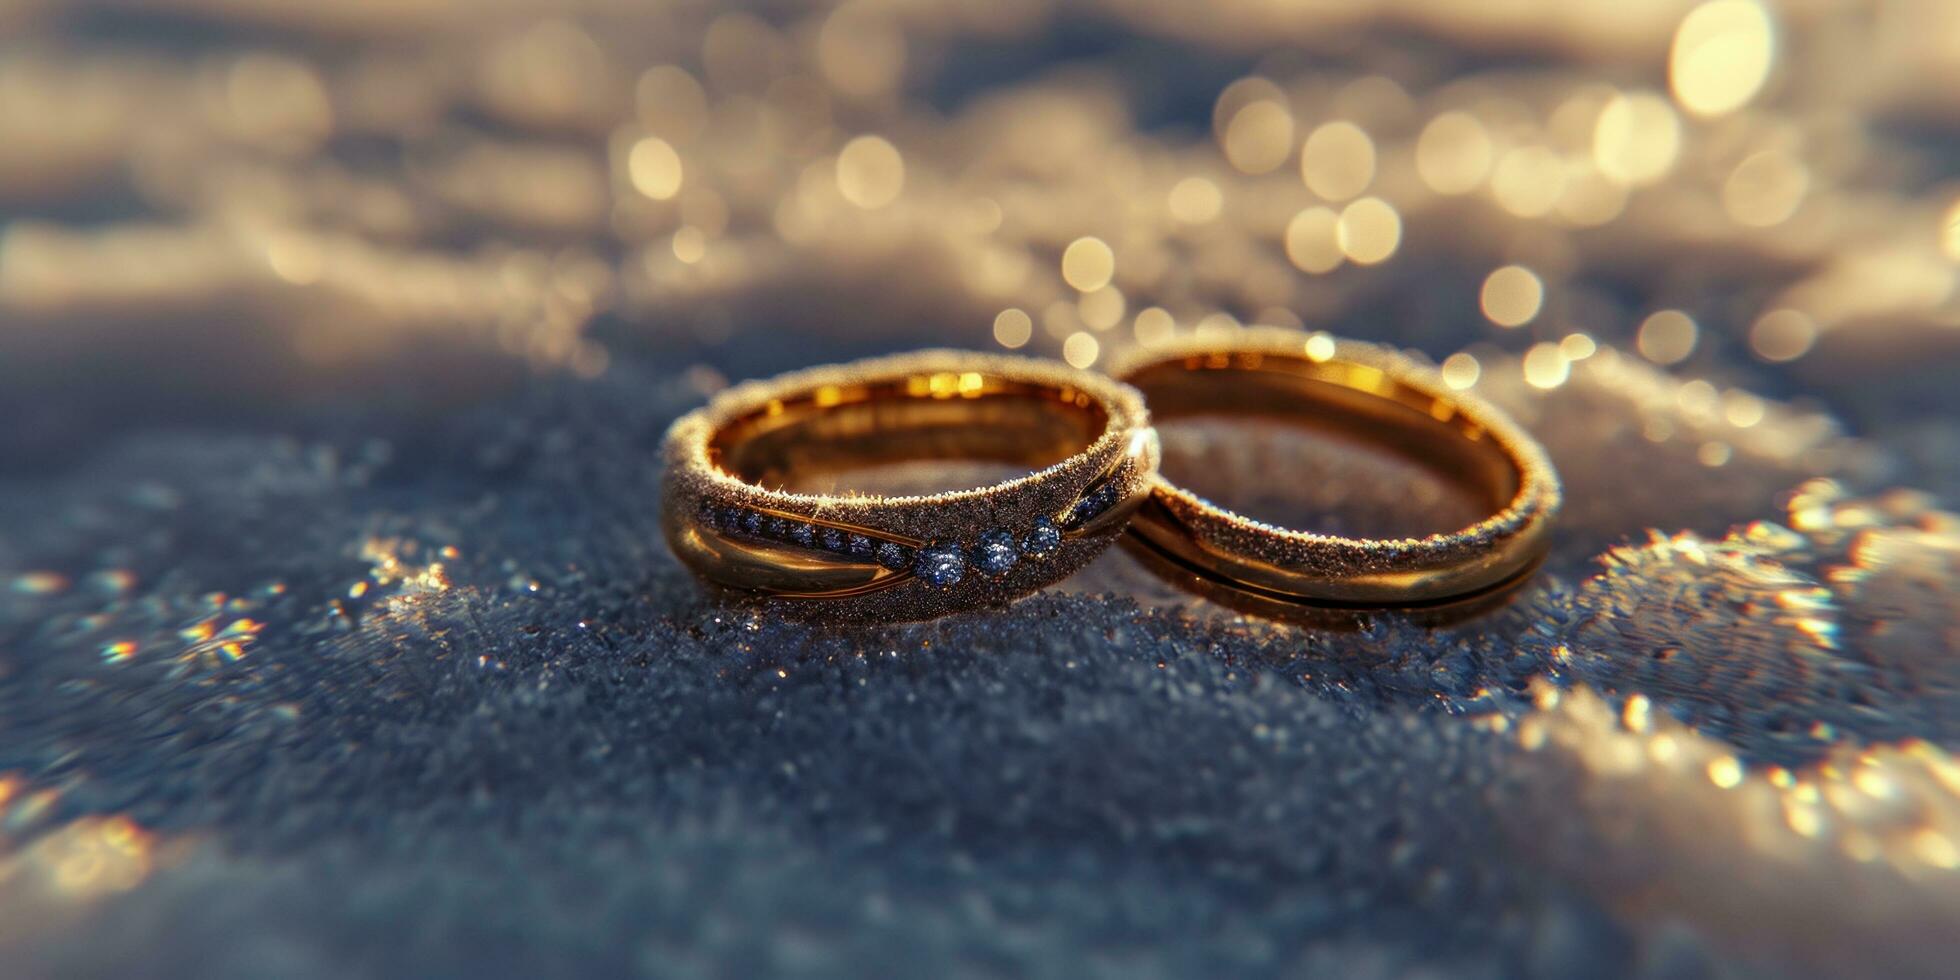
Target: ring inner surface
{"type": "Point", "coordinates": [1331, 447]}
{"type": "Point", "coordinates": [915, 434]}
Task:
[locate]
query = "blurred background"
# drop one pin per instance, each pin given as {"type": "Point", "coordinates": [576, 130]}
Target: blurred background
{"type": "Point", "coordinates": [336, 339]}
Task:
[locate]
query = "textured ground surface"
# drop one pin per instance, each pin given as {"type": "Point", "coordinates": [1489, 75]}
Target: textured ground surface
{"type": "Point", "coordinates": [337, 638]}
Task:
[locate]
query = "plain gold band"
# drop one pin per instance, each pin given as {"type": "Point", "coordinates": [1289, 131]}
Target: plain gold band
{"type": "Point", "coordinates": [729, 517]}
{"type": "Point", "coordinates": [1387, 397]}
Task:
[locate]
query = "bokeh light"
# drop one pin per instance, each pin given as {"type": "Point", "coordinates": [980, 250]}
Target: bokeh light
{"type": "Point", "coordinates": [655, 168]}
{"type": "Point", "coordinates": [1545, 366]}
{"type": "Point", "coordinates": [1338, 161]}
{"type": "Point", "coordinates": [1461, 370]}
{"type": "Point", "coordinates": [1313, 240]}
{"type": "Point", "coordinates": [1950, 232]}
{"type": "Point", "coordinates": [861, 50]}
{"type": "Point", "coordinates": [870, 172]}
{"type": "Point", "coordinates": [1667, 337]}
{"type": "Point", "coordinates": [1512, 296]}
{"type": "Point", "coordinates": [1528, 181]}
{"type": "Point", "coordinates": [1088, 264]}
{"type": "Point", "coordinates": [1722, 54]}
{"type": "Point", "coordinates": [1368, 231]}
{"type": "Point", "coordinates": [1782, 335]}
{"type": "Point", "coordinates": [1102, 308]}
{"type": "Point", "coordinates": [1259, 138]}
{"type": "Point", "coordinates": [1081, 350]}
{"type": "Point", "coordinates": [1195, 200]}
{"type": "Point", "coordinates": [1765, 189]}
{"type": "Point", "coordinates": [1454, 153]}
{"type": "Point", "coordinates": [1154, 325]}
{"type": "Point", "coordinates": [1013, 329]}
{"type": "Point", "coordinates": [1638, 139]}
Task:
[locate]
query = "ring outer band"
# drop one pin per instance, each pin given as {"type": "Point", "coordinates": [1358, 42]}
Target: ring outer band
{"type": "Point", "coordinates": [1121, 462]}
{"type": "Point", "coordinates": [1342, 572]}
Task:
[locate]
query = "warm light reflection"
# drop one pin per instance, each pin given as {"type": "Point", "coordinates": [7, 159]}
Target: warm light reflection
{"type": "Point", "coordinates": [87, 859]}
{"type": "Point", "coordinates": [1338, 161]}
{"type": "Point", "coordinates": [1088, 264]}
{"type": "Point", "coordinates": [1368, 231]}
{"type": "Point", "coordinates": [1154, 325]}
{"type": "Point", "coordinates": [1512, 296]}
{"type": "Point", "coordinates": [671, 103]}
{"type": "Point", "coordinates": [861, 50]}
{"type": "Point", "coordinates": [1725, 772]}
{"type": "Point", "coordinates": [655, 168]}
{"type": "Point", "coordinates": [690, 244]}
{"type": "Point", "coordinates": [1545, 366]}
{"type": "Point", "coordinates": [1059, 319]}
{"type": "Point", "coordinates": [1950, 231]}
{"type": "Point", "coordinates": [277, 102]}
{"type": "Point", "coordinates": [1667, 337]}
{"type": "Point", "coordinates": [1013, 328]}
{"type": "Point", "coordinates": [1195, 200]}
{"type": "Point", "coordinates": [1320, 346]}
{"type": "Point", "coordinates": [1259, 137]}
{"type": "Point", "coordinates": [1765, 189]}
{"type": "Point", "coordinates": [1587, 198]}
{"type": "Point", "coordinates": [1081, 350]}
{"type": "Point", "coordinates": [1101, 308]}
{"type": "Point", "coordinates": [1782, 335]}
{"type": "Point", "coordinates": [1722, 54]}
{"type": "Point", "coordinates": [1461, 370]}
{"type": "Point", "coordinates": [40, 583]}
{"type": "Point", "coordinates": [1312, 240]}
{"type": "Point", "coordinates": [870, 172]}
{"type": "Point", "coordinates": [1216, 325]}
{"type": "Point", "coordinates": [1528, 181]}
{"type": "Point", "coordinates": [1742, 409]}
{"type": "Point", "coordinates": [1453, 154]}
{"type": "Point", "coordinates": [1637, 139]}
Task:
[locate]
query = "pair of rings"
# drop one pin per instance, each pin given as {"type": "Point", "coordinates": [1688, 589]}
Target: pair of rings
{"type": "Point", "coordinates": [1090, 441]}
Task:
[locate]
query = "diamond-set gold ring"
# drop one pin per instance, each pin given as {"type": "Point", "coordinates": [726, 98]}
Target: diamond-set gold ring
{"type": "Point", "coordinates": [729, 517]}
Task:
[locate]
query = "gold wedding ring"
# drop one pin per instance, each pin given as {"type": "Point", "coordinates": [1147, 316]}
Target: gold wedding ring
{"type": "Point", "coordinates": [1386, 397]}
{"type": "Point", "coordinates": [729, 516]}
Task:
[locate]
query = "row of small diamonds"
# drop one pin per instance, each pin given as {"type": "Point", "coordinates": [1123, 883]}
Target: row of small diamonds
{"type": "Point", "coordinates": [1093, 504]}
{"type": "Point", "coordinates": [941, 564]}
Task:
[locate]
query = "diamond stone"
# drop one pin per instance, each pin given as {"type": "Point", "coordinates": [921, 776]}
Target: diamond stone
{"type": "Point", "coordinates": [861, 546]}
{"type": "Point", "coordinates": [1042, 539]}
{"type": "Point", "coordinates": [894, 556]}
{"type": "Point", "coordinates": [995, 553]}
{"type": "Point", "coordinates": [835, 541]}
{"type": "Point", "coordinates": [803, 534]}
{"type": "Point", "coordinates": [940, 565]}
{"type": "Point", "coordinates": [1090, 506]}
{"type": "Point", "coordinates": [752, 521]}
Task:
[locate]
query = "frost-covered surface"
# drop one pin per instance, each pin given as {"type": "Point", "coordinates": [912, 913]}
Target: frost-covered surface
{"type": "Point", "coordinates": [556, 753]}
{"type": "Point", "coordinates": [337, 637]}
